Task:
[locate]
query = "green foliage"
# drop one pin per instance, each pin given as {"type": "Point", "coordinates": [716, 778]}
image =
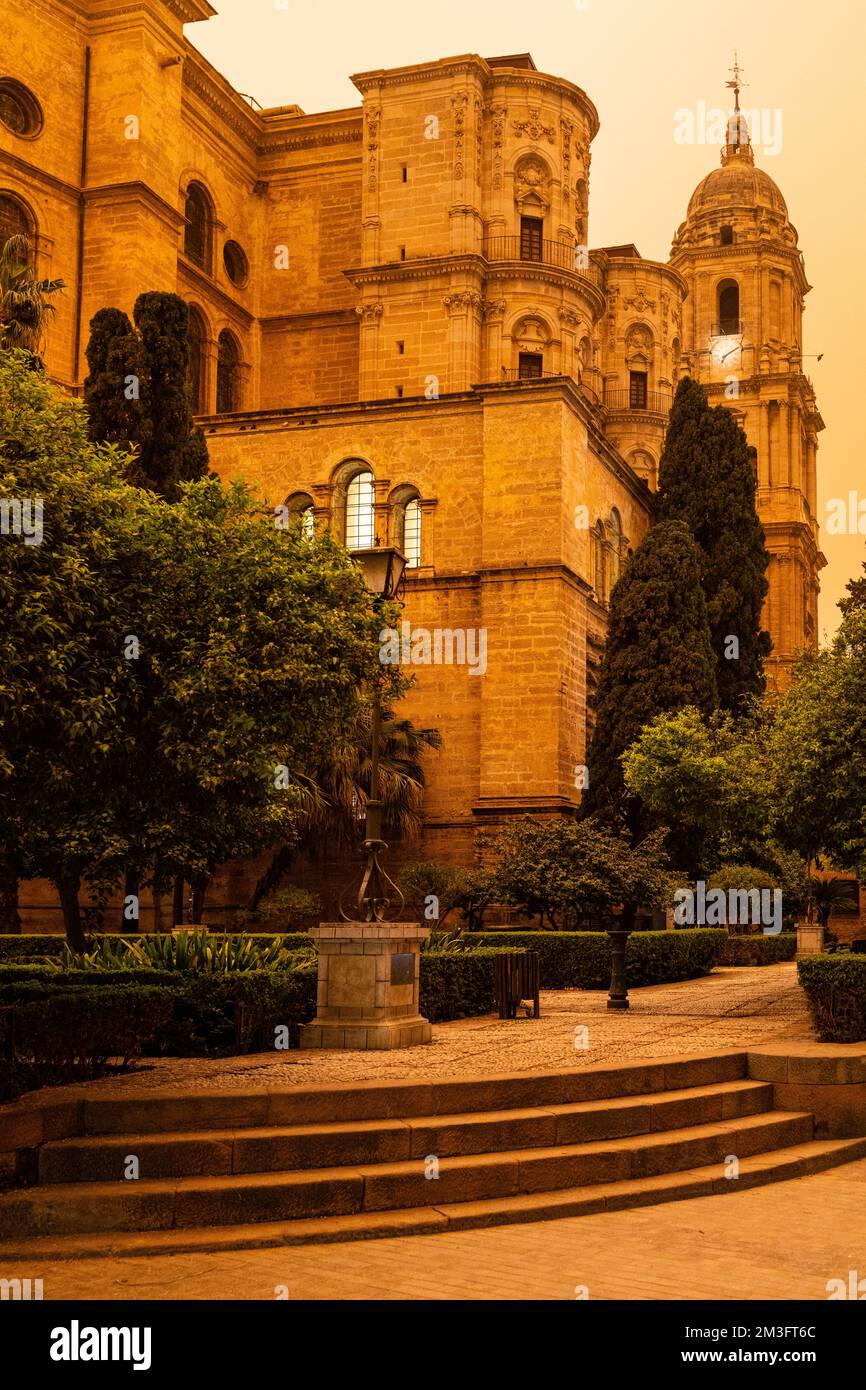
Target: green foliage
{"type": "Point", "coordinates": [817, 752]}
{"type": "Point", "coordinates": [457, 984]}
{"type": "Point", "coordinates": [25, 302]}
{"type": "Point", "coordinates": [282, 909]}
{"type": "Point", "coordinates": [68, 1034]}
{"type": "Point", "coordinates": [835, 987]}
{"type": "Point", "coordinates": [657, 658]}
{"type": "Point", "coordinates": [707, 479]}
{"type": "Point", "coordinates": [446, 943]}
{"type": "Point", "coordinates": [757, 949]}
{"type": "Point", "coordinates": [137, 392]}
{"type": "Point", "coordinates": [578, 870]}
{"type": "Point", "coordinates": [426, 879]}
{"type": "Point", "coordinates": [582, 960]}
{"type": "Point", "coordinates": [183, 950]}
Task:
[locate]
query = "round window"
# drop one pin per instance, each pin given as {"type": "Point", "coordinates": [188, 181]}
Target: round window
{"type": "Point", "coordinates": [236, 263]}
{"type": "Point", "coordinates": [20, 112]}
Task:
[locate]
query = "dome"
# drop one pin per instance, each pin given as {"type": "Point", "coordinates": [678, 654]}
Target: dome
{"type": "Point", "coordinates": [736, 184]}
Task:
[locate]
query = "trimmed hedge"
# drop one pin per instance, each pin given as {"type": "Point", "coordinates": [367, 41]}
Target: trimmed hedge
{"type": "Point", "coordinates": [77, 1033]}
{"type": "Point", "coordinates": [757, 949]}
{"type": "Point", "coordinates": [35, 947]}
{"type": "Point", "coordinates": [835, 987]}
{"type": "Point", "coordinates": [581, 960]}
{"type": "Point", "coordinates": [457, 986]}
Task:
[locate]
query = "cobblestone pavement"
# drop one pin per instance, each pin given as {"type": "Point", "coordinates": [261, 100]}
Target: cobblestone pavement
{"type": "Point", "coordinates": [779, 1242]}
{"type": "Point", "coordinates": [734, 1007]}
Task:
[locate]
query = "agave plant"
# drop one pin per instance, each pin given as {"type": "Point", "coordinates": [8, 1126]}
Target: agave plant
{"type": "Point", "coordinates": [446, 943]}
{"type": "Point", "coordinates": [184, 950]}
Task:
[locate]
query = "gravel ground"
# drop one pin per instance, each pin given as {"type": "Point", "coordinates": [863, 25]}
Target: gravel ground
{"type": "Point", "coordinates": [734, 1007]}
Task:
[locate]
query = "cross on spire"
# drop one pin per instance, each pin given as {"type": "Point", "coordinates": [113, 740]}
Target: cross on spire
{"type": "Point", "coordinates": [736, 82]}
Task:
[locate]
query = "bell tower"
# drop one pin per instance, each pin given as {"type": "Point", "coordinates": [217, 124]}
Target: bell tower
{"type": "Point", "coordinates": [742, 339]}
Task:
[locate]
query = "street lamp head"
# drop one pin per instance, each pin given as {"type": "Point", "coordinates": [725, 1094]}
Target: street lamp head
{"type": "Point", "coordinates": [383, 568]}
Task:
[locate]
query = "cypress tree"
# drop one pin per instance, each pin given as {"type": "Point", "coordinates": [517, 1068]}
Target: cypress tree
{"type": "Point", "coordinates": [174, 451]}
{"type": "Point", "coordinates": [112, 387]}
{"type": "Point", "coordinates": [658, 657]}
{"type": "Point", "coordinates": [707, 479]}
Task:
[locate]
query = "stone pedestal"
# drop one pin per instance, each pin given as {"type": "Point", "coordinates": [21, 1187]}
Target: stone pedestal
{"type": "Point", "coordinates": [367, 993]}
{"type": "Point", "coordinates": [810, 939]}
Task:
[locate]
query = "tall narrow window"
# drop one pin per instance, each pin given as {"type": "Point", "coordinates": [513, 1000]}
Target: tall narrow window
{"type": "Point", "coordinates": [228, 365]}
{"type": "Point", "coordinates": [531, 238]}
{"type": "Point", "coordinates": [196, 361]}
{"type": "Point", "coordinates": [726, 236]}
{"type": "Point", "coordinates": [412, 534]}
{"type": "Point", "coordinates": [197, 229]}
{"type": "Point", "coordinates": [637, 390]}
{"type": "Point", "coordinates": [729, 308]}
{"type": "Point", "coordinates": [360, 515]}
{"type": "Point", "coordinates": [598, 562]}
{"type": "Point", "coordinates": [530, 366]}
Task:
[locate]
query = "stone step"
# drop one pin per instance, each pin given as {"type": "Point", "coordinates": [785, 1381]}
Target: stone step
{"type": "Point", "coordinates": [199, 1109]}
{"type": "Point", "coordinates": [101, 1158]}
{"type": "Point", "coordinates": [776, 1165]}
{"type": "Point", "coordinates": [159, 1204]}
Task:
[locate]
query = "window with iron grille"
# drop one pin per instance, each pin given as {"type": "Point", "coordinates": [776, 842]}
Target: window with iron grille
{"type": "Point", "coordinates": [637, 390]}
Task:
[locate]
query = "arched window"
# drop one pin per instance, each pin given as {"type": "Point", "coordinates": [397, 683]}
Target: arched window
{"type": "Point", "coordinates": [614, 527]}
{"type": "Point", "coordinates": [197, 230]}
{"type": "Point", "coordinates": [729, 308]}
{"type": "Point", "coordinates": [228, 373]}
{"type": "Point", "coordinates": [360, 515]}
{"type": "Point", "coordinates": [197, 339]}
{"type": "Point", "coordinates": [298, 510]}
{"type": "Point", "coordinates": [598, 561]}
{"type": "Point", "coordinates": [15, 220]}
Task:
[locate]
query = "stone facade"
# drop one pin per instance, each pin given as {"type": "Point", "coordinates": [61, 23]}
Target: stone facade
{"type": "Point", "coordinates": [404, 290]}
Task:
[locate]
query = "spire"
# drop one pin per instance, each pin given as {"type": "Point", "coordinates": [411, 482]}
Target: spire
{"type": "Point", "coordinates": [738, 145]}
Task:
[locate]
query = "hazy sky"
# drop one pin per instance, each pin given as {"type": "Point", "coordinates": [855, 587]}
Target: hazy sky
{"type": "Point", "coordinates": [640, 62]}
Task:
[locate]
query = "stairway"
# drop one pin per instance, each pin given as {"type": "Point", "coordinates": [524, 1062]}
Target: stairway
{"type": "Point", "coordinates": [231, 1170]}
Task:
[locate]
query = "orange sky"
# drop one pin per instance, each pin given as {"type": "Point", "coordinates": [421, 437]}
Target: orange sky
{"type": "Point", "coordinates": [639, 63]}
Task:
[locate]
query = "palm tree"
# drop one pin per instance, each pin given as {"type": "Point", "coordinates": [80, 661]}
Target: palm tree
{"type": "Point", "coordinates": [829, 894]}
{"type": "Point", "coordinates": [24, 300]}
{"type": "Point", "coordinates": [334, 798]}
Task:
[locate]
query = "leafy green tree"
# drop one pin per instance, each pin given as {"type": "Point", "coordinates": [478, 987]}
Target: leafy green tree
{"type": "Point", "coordinates": [817, 749]}
{"type": "Point", "coordinates": [578, 870]}
{"type": "Point", "coordinates": [25, 302]}
{"type": "Point", "coordinates": [707, 479]}
{"type": "Point", "coordinates": [431, 890]}
{"type": "Point", "coordinates": [657, 658]}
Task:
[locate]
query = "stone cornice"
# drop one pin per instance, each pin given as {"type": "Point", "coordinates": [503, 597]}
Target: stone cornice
{"type": "Point", "coordinates": [469, 64]}
{"type": "Point", "coordinates": [743, 250]}
{"type": "Point", "coordinates": [424, 268]}
{"type": "Point", "coordinates": [548, 274]}
{"type": "Point", "coordinates": [346, 132]}
{"type": "Point", "coordinates": [323, 318]}
{"type": "Point", "coordinates": [224, 101]}
{"type": "Point", "coordinates": [137, 189]}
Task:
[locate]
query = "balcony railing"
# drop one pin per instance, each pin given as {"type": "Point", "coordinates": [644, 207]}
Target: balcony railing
{"type": "Point", "coordinates": [514, 374]}
{"type": "Point", "coordinates": [657, 402]}
{"type": "Point", "coordinates": [728, 328]}
{"type": "Point", "coordinates": [555, 253]}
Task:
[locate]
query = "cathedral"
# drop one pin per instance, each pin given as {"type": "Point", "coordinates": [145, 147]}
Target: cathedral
{"type": "Point", "coordinates": [401, 330]}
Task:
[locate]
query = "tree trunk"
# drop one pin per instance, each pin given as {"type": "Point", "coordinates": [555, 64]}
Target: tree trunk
{"type": "Point", "coordinates": [199, 888]}
{"type": "Point", "coordinates": [131, 890]}
{"type": "Point", "coordinates": [10, 918]}
{"type": "Point", "coordinates": [68, 890]}
{"type": "Point", "coordinates": [177, 913]}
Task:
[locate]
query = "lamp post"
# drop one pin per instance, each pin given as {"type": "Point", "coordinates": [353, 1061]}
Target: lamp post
{"type": "Point", "coordinates": [383, 568]}
{"type": "Point", "coordinates": [618, 995]}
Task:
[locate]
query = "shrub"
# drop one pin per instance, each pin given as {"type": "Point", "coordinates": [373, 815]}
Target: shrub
{"type": "Point", "coordinates": [758, 949]}
{"type": "Point", "coordinates": [184, 950]}
{"type": "Point", "coordinates": [457, 984]}
{"type": "Point", "coordinates": [30, 947]}
{"type": "Point", "coordinates": [581, 960]}
{"type": "Point", "coordinates": [282, 910]}
{"type": "Point", "coordinates": [419, 882]}
{"type": "Point", "coordinates": [835, 987]}
{"type": "Point", "coordinates": [79, 1033]}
